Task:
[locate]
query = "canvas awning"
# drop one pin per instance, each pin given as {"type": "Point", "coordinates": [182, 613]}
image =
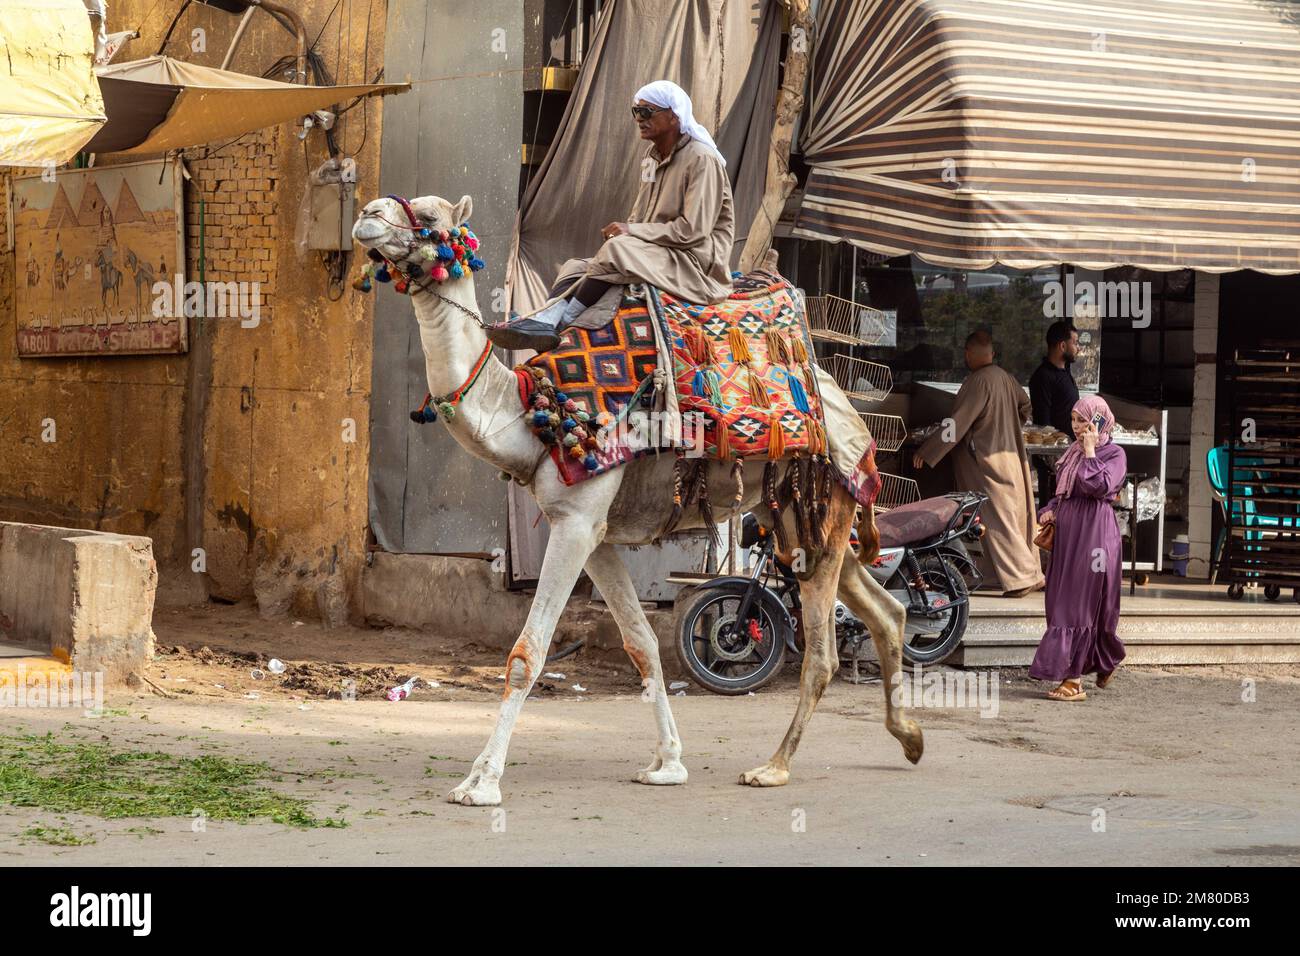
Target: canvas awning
{"type": "Point", "coordinates": [1164, 134]}
{"type": "Point", "coordinates": [157, 104]}
{"type": "Point", "coordinates": [49, 101]}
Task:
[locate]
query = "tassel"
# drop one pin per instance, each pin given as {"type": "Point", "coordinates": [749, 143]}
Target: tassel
{"type": "Point", "coordinates": [697, 345]}
{"type": "Point", "coordinates": [794, 484]}
{"type": "Point", "coordinates": [809, 475]}
{"type": "Point", "coordinates": [810, 432]}
{"type": "Point", "coordinates": [699, 384]}
{"type": "Point", "coordinates": [714, 383]}
{"type": "Point", "coordinates": [775, 438]}
{"type": "Point", "coordinates": [757, 391]}
{"type": "Point", "coordinates": [799, 395]}
{"type": "Point", "coordinates": [678, 468]}
{"type": "Point", "coordinates": [777, 351]}
{"type": "Point", "coordinates": [773, 502]}
{"type": "Point", "coordinates": [705, 505]}
{"type": "Point", "coordinates": [706, 354]}
{"type": "Point", "coordinates": [797, 350]}
{"type": "Point", "coordinates": [739, 345]}
{"type": "Point", "coordinates": [724, 440]}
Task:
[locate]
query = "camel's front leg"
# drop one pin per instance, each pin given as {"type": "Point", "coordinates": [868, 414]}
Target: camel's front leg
{"type": "Point", "coordinates": [572, 540]}
{"type": "Point", "coordinates": [616, 587]}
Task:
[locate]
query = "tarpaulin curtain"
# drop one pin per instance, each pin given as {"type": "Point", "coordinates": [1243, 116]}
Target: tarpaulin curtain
{"type": "Point", "coordinates": [50, 104]}
{"type": "Point", "coordinates": [724, 53]}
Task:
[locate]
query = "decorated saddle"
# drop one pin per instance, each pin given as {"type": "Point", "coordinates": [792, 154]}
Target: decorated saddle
{"type": "Point", "coordinates": [738, 376]}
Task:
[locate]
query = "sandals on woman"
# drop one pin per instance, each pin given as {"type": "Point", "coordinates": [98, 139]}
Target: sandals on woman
{"type": "Point", "coordinates": [1067, 692]}
{"type": "Point", "coordinates": [1104, 679]}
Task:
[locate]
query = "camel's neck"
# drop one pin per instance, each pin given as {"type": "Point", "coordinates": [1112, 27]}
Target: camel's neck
{"type": "Point", "coordinates": [452, 340]}
{"type": "Point", "coordinates": [488, 421]}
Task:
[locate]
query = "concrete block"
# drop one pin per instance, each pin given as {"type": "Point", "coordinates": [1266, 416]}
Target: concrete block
{"type": "Point", "coordinates": [84, 596]}
{"type": "Point", "coordinates": [449, 595]}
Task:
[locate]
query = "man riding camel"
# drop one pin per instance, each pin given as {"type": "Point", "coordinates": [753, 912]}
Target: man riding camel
{"type": "Point", "coordinates": [677, 238]}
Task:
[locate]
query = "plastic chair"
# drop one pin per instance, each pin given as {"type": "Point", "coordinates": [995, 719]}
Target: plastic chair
{"type": "Point", "coordinates": [1248, 469]}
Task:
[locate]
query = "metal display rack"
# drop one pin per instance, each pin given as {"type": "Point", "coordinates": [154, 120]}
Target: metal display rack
{"type": "Point", "coordinates": [1262, 483]}
{"type": "Point", "coordinates": [839, 329]}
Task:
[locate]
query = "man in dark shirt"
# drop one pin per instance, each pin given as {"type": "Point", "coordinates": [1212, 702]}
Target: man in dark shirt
{"type": "Point", "coordinates": [1052, 392]}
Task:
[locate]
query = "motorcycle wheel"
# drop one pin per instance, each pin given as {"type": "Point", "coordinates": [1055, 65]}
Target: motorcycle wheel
{"type": "Point", "coordinates": [938, 646]}
{"type": "Point", "coordinates": [718, 656]}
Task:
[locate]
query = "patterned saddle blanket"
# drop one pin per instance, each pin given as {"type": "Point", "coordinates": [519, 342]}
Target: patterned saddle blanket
{"type": "Point", "coordinates": [743, 384]}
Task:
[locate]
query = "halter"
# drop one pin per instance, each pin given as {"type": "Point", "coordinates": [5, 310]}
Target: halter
{"type": "Point", "coordinates": [453, 257]}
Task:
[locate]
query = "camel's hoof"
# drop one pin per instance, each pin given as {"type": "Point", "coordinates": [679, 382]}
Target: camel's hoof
{"type": "Point", "coordinates": [481, 794]}
{"type": "Point", "coordinates": [913, 742]}
{"type": "Point", "coordinates": [666, 776]}
{"type": "Point", "coordinates": [765, 776]}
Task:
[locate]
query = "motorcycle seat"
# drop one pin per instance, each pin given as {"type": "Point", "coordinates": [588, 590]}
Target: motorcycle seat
{"type": "Point", "coordinates": [919, 521]}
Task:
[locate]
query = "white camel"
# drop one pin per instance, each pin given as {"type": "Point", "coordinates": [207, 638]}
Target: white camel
{"type": "Point", "coordinates": [629, 505]}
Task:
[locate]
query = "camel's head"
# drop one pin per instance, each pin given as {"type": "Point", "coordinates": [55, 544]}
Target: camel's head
{"type": "Point", "coordinates": [418, 236]}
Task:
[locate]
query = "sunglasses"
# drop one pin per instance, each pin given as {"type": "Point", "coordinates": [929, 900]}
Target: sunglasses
{"type": "Point", "coordinates": [645, 112]}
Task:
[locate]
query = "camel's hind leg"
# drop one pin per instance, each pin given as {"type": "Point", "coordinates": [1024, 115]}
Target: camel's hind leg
{"type": "Point", "coordinates": [609, 573]}
{"type": "Point", "coordinates": [884, 618]}
{"type": "Point", "coordinates": [821, 656]}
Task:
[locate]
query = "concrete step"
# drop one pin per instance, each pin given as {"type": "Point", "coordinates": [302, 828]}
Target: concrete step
{"type": "Point", "coordinates": [1009, 640]}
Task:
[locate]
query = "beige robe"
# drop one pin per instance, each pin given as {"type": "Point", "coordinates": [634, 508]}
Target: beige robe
{"type": "Point", "coordinates": [679, 234]}
{"type": "Point", "coordinates": [990, 459]}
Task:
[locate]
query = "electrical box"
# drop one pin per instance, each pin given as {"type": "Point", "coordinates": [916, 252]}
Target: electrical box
{"type": "Point", "coordinates": [329, 227]}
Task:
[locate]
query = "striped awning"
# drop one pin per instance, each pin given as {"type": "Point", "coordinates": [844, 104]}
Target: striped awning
{"type": "Point", "coordinates": [1161, 133]}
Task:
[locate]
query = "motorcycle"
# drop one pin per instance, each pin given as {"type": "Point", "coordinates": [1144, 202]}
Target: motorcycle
{"type": "Point", "coordinates": [734, 632]}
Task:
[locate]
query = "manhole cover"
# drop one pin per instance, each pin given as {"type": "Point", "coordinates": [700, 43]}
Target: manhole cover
{"type": "Point", "coordinates": [1149, 808]}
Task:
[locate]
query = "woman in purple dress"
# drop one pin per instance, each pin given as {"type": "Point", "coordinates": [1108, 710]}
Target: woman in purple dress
{"type": "Point", "coordinates": [1083, 580]}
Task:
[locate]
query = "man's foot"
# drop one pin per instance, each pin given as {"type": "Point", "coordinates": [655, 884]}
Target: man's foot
{"type": "Point", "coordinates": [540, 331]}
{"type": "Point", "coordinates": [524, 334]}
{"type": "Point", "coordinates": [1017, 593]}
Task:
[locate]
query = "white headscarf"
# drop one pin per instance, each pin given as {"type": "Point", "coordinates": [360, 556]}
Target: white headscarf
{"type": "Point", "coordinates": [666, 93]}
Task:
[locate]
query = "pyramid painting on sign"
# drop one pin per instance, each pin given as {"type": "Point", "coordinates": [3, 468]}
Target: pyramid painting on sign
{"type": "Point", "coordinates": [90, 246]}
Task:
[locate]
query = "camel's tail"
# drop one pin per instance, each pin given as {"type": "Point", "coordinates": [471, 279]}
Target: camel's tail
{"type": "Point", "coordinates": [868, 535]}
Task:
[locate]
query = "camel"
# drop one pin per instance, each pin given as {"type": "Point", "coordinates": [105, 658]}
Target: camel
{"type": "Point", "coordinates": [629, 505]}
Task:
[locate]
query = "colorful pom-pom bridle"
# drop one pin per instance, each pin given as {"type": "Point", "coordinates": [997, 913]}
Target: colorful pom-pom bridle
{"type": "Point", "coordinates": [437, 256]}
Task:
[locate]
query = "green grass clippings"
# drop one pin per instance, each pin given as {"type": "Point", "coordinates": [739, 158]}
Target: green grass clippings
{"type": "Point", "coordinates": [78, 777]}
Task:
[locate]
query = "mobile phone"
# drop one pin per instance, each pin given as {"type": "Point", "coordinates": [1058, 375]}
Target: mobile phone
{"type": "Point", "coordinates": [1097, 421]}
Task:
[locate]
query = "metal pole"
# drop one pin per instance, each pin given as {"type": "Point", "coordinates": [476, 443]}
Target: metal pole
{"type": "Point", "coordinates": [239, 35]}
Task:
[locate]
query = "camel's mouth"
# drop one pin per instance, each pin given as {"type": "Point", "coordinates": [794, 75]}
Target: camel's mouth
{"type": "Point", "coordinates": [369, 229]}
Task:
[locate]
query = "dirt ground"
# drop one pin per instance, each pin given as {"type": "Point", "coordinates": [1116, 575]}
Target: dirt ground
{"type": "Point", "coordinates": [1186, 770]}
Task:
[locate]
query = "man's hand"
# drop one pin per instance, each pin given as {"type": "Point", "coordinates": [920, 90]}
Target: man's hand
{"type": "Point", "coordinates": [614, 229]}
{"type": "Point", "coordinates": [917, 461]}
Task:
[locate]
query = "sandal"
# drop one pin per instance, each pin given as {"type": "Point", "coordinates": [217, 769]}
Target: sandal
{"type": "Point", "coordinates": [1065, 692]}
{"type": "Point", "coordinates": [1104, 679]}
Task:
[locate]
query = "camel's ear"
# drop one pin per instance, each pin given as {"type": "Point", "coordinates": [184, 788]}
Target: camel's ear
{"type": "Point", "coordinates": [461, 211]}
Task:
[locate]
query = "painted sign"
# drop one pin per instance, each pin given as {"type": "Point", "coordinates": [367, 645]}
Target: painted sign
{"type": "Point", "coordinates": [89, 245]}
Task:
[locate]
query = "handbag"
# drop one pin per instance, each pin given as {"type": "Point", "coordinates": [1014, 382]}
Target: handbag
{"type": "Point", "coordinates": [1046, 536]}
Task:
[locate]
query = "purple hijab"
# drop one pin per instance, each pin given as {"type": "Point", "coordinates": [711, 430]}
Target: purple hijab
{"type": "Point", "coordinates": [1068, 467]}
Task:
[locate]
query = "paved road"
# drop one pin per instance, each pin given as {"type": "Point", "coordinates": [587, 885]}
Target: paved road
{"type": "Point", "coordinates": [1202, 777]}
